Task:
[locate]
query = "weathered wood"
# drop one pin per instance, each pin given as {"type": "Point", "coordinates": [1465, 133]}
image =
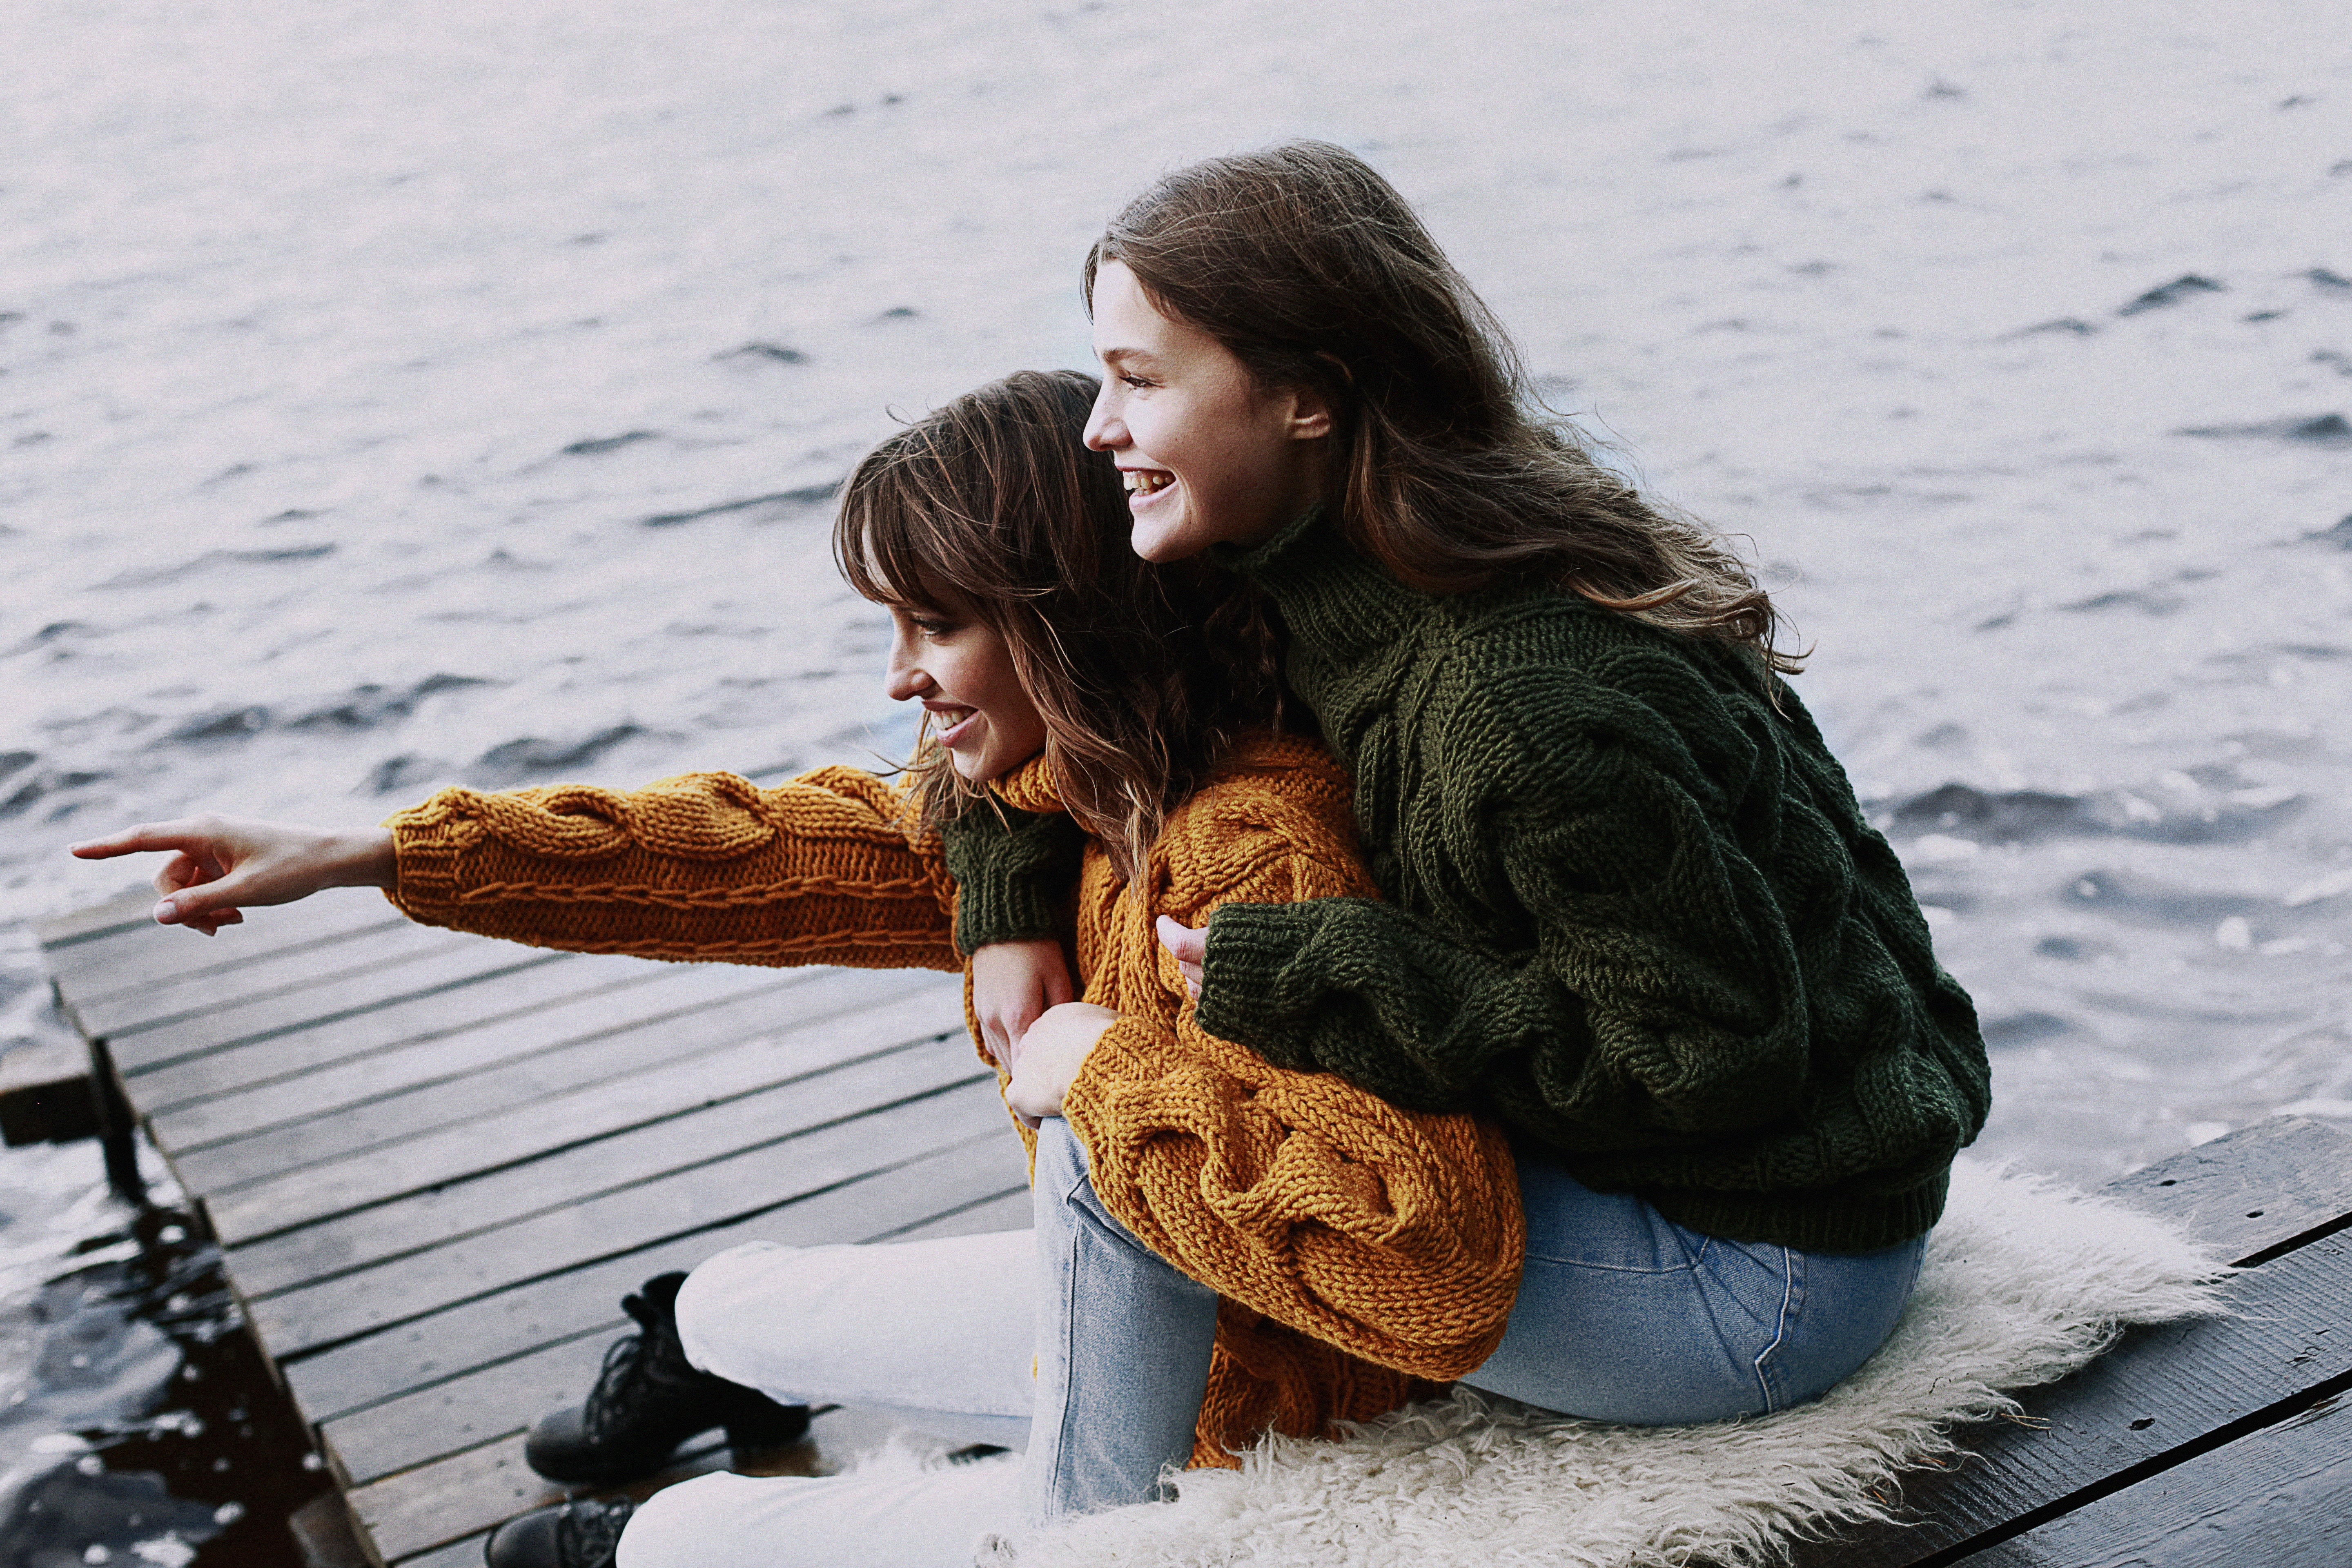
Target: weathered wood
{"type": "Point", "coordinates": [145, 954]}
{"type": "Point", "coordinates": [460, 1495]}
{"type": "Point", "coordinates": [313, 1316]}
{"type": "Point", "coordinates": [491, 1004]}
{"type": "Point", "coordinates": [817, 1092]}
{"type": "Point", "coordinates": [2161, 1396]}
{"type": "Point", "coordinates": [438, 1162]}
{"type": "Point", "coordinates": [462, 962]}
{"type": "Point", "coordinates": [500, 1399]}
{"type": "Point", "coordinates": [124, 911]}
{"type": "Point", "coordinates": [250, 1092]}
{"type": "Point", "coordinates": [639, 1076]}
{"type": "Point", "coordinates": [137, 1009]}
{"type": "Point", "coordinates": [434, 1499]}
{"type": "Point", "coordinates": [462, 1553]}
{"type": "Point", "coordinates": [1008, 1210]}
{"type": "Point", "coordinates": [584, 1302]}
{"type": "Point", "coordinates": [2279, 1497]}
{"type": "Point", "coordinates": [2255, 1192]}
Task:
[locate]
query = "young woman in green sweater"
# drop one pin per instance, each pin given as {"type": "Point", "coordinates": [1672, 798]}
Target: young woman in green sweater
{"type": "Point", "coordinates": [1631, 906]}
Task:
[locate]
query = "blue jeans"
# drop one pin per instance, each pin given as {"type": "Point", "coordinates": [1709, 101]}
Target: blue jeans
{"type": "Point", "coordinates": [1621, 1316]}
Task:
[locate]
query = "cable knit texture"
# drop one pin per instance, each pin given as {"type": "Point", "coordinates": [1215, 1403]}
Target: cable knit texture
{"type": "Point", "coordinates": [1364, 1254]}
{"type": "Point", "coordinates": [1631, 908]}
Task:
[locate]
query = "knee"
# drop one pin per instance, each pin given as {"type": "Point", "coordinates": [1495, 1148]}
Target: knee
{"type": "Point", "coordinates": [674, 1528]}
{"type": "Point", "coordinates": [709, 1302]}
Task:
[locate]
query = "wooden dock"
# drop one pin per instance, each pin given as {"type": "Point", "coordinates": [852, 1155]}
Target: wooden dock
{"type": "Point", "coordinates": [435, 1163]}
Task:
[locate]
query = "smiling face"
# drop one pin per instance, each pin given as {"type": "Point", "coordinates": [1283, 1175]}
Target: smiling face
{"type": "Point", "coordinates": [1208, 456]}
{"type": "Point", "coordinates": [962, 670]}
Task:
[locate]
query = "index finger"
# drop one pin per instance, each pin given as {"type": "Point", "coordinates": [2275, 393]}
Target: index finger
{"type": "Point", "coordinates": [147, 835]}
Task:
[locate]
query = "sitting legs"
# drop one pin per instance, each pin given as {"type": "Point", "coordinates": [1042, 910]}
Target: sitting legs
{"type": "Point", "coordinates": [944, 1335]}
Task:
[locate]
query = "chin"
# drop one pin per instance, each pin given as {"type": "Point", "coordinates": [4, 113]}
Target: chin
{"type": "Point", "coordinates": [1161, 542]}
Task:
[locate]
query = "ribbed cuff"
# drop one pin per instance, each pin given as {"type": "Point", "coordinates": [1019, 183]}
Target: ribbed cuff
{"type": "Point", "coordinates": [1250, 946]}
{"type": "Point", "coordinates": [1000, 908]}
{"type": "Point", "coordinates": [427, 841]}
{"type": "Point", "coordinates": [1011, 874]}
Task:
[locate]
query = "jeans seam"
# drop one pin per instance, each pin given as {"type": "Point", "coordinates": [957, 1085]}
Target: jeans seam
{"type": "Point", "coordinates": [1057, 1478]}
{"type": "Point", "coordinates": [1793, 1295]}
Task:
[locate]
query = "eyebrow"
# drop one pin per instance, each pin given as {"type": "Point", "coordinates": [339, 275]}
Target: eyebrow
{"type": "Point", "coordinates": [1127, 356]}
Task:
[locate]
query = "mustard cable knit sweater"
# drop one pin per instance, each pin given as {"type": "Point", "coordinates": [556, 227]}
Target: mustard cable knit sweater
{"type": "Point", "coordinates": [1362, 1252]}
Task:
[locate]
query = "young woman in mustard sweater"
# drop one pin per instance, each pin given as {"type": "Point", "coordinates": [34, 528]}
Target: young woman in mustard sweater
{"type": "Point", "coordinates": [1221, 1246]}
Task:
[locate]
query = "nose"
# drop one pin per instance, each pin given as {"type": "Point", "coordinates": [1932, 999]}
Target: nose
{"type": "Point", "coordinates": [903, 676]}
{"type": "Point", "coordinates": [1106, 432]}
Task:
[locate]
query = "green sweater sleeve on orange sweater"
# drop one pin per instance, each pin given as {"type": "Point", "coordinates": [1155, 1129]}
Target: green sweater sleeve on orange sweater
{"type": "Point", "coordinates": [829, 867]}
{"type": "Point", "coordinates": [1394, 1236]}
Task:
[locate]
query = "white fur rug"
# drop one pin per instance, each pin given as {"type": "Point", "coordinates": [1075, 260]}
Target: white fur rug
{"type": "Point", "coordinates": [2024, 1282]}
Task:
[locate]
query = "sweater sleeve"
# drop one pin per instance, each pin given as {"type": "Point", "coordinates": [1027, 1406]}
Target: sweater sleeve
{"type": "Point", "coordinates": [1393, 1236]}
{"type": "Point", "coordinates": [830, 868]}
{"type": "Point", "coordinates": [1013, 869]}
{"type": "Point", "coordinates": [1655, 1001]}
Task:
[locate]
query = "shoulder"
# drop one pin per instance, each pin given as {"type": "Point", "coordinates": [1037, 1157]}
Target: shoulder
{"type": "Point", "coordinates": [1574, 694]}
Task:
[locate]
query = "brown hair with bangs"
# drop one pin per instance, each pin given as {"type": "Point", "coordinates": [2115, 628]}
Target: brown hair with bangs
{"type": "Point", "coordinates": [1312, 271]}
{"type": "Point", "coordinates": [993, 509]}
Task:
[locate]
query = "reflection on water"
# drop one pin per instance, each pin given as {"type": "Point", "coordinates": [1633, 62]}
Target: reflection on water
{"type": "Point", "coordinates": [138, 1423]}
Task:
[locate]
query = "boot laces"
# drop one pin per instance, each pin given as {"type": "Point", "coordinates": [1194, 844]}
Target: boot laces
{"type": "Point", "coordinates": [588, 1533]}
{"type": "Point", "coordinates": [632, 1372]}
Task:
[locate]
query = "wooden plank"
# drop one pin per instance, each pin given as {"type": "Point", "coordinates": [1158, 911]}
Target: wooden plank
{"type": "Point", "coordinates": [124, 911]}
{"type": "Point", "coordinates": [1008, 1210]}
{"type": "Point", "coordinates": [656, 1092]}
{"type": "Point", "coordinates": [2255, 1192]}
{"type": "Point", "coordinates": [313, 1316]}
{"type": "Point", "coordinates": [271, 1124]}
{"type": "Point", "coordinates": [2279, 1497]}
{"type": "Point", "coordinates": [470, 1492]}
{"type": "Point", "coordinates": [449, 1498]}
{"type": "Point", "coordinates": [501, 1398]}
{"type": "Point", "coordinates": [226, 1141]}
{"type": "Point", "coordinates": [498, 999]}
{"type": "Point", "coordinates": [549, 1311]}
{"type": "Point", "coordinates": [2164, 1393]}
{"type": "Point", "coordinates": [329, 966]}
{"type": "Point", "coordinates": [462, 1553]}
{"type": "Point", "coordinates": [148, 952]}
{"type": "Point", "coordinates": [586, 1170]}
{"type": "Point", "coordinates": [463, 962]}
{"type": "Point", "coordinates": [2249, 1195]}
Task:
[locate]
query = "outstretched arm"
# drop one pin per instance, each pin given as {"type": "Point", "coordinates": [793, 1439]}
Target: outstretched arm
{"type": "Point", "coordinates": [220, 866]}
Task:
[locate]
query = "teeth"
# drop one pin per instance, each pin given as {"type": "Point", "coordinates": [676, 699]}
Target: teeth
{"type": "Point", "coordinates": [1144, 481]}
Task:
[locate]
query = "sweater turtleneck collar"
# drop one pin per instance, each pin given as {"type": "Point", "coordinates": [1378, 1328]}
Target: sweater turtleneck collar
{"type": "Point", "coordinates": [1332, 598]}
{"type": "Point", "coordinates": [1030, 787]}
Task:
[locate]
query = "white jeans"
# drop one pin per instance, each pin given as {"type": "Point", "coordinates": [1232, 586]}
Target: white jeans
{"type": "Point", "coordinates": [1074, 1342]}
{"type": "Point", "coordinates": [939, 1334]}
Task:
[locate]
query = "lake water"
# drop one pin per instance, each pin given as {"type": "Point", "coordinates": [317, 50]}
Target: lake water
{"type": "Point", "coordinates": [399, 395]}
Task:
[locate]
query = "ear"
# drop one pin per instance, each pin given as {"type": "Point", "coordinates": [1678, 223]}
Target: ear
{"type": "Point", "coordinates": [1309, 417]}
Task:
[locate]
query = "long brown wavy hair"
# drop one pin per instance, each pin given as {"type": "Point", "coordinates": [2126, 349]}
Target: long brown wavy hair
{"type": "Point", "coordinates": [1311, 269]}
{"type": "Point", "coordinates": [1145, 676]}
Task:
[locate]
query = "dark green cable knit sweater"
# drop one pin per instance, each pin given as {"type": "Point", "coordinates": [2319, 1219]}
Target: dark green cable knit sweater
{"type": "Point", "coordinates": [1633, 910]}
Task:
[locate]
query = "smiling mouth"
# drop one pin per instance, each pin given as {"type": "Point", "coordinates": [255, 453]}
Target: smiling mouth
{"type": "Point", "coordinates": [948, 720]}
{"type": "Point", "coordinates": [1146, 482]}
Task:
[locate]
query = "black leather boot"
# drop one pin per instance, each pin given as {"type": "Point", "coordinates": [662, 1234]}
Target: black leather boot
{"type": "Point", "coordinates": [580, 1534]}
{"type": "Point", "coordinates": [648, 1400]}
